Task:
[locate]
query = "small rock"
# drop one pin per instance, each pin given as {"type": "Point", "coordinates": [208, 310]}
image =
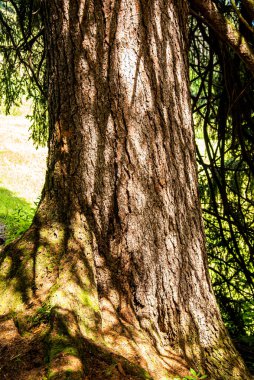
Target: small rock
{"type": "Point", "coordinates": [2, 234]}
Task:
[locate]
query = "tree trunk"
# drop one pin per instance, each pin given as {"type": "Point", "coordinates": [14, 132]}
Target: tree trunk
{"type": "Point", "coordinates": [115, 258]}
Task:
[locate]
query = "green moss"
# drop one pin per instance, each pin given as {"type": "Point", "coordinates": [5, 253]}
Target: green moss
{"type": "Point", "coordinates": [89, 300]}
{"type": "Point", "coordinates": [61, 345]}
{"type": "Point", "coordinates": [11, 298]}
{"type": "Point", "coordinates": [110, 369]}
{"type": "Point", "coordinates": [42, 315]}
{"type": "Point", "coordinates": [135, 370]}
{"type": "Point", "coordinates": [54, 234]}
{"type": "Point", "coordinates": [66, 375]}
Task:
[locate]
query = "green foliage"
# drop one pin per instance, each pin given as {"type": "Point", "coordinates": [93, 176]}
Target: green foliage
{"type": "Point", "coordinates": [193, 376]}
{"type": "Point", "coordinates": [42, 315]}
{"type": "Point", "coordinates": [245, 344]}
{"type": "Point", "coordinates": [20, 221]}
{"type": "Point", "coordinates": [15, 213]}
{"type": "Point", "coordinates": [224, 120]}
{"type": "Point", "coordinates": [22, 62]}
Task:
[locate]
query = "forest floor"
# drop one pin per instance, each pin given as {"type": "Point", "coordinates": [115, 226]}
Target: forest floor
{"type": "Point", "coordinates": [21, 358]}
{"type": "Point", "coordinates": [26, 357]}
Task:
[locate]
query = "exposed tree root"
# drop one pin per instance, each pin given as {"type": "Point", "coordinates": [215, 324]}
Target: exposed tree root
{"type": "Point", "coordinates": [53, 325]}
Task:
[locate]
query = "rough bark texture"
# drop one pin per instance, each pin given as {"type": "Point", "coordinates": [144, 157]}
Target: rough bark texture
{"type": "Point", "coordinates": [117, 243]}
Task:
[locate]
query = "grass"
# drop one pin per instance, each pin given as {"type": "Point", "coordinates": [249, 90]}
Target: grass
{"type": "Point", "coordinates": [15, 213]}
{"type": "Point", "coordinates": [22, 171]}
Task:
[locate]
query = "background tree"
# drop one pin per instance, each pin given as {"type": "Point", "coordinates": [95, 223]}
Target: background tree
{"type": "Point", "coordinates": [22, 64]}
{"type": "Point", "coordinates": [114, 262]}
{"type": "Point", "coordinates": [222, 91]}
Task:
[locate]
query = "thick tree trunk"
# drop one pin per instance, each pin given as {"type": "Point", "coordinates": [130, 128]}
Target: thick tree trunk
{"type": "Point", "coordinates": [117, 250]}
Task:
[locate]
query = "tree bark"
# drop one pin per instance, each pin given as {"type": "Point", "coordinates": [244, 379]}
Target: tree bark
{"type": "Point", "coordinates": [116, 251]}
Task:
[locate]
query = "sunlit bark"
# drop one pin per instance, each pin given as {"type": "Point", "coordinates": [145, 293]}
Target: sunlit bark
{"type": "Point", "coordinates": [117, 243]}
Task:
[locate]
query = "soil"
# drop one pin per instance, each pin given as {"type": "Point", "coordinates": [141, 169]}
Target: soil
{"type": "Point", "coordinates": [21, 358]}
{"type": "Point", "coordinates": [25, 358]}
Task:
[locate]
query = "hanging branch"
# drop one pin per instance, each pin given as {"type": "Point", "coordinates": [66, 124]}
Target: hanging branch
{"type": "Point", "coordinates": [208, 13]}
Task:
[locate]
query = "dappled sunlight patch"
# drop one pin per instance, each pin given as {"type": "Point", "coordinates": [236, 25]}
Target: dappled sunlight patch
{"type": "Point", "coordinates": [66, 302]}
{"type": "Point", "coordinates": [21, 357]}
{"type": "Point", "coordinates": [52, 234]}
{"type": "Point", "coordinates": [13, 289]}
{"type": "Point", "coordinates": [192, 350]}
{"type": "Point", "coordinates": [8, 331]}
{"type": "Point", "coordinates": [66, 367]}
{"type": "Point", "coordinates": [12, 299]}
{"type": "Point", "coordinates": [64, 359]}
{"type": "Point", "coordinates": [139, 350]}
{"type": "Point", "coordinates": [89, 300]}
{"type": "Point", "coordinates": [5, 267]}
{"type": "Point", "coordinates": [110, 320]}
{"type": "Point", "coordinates": [20, 271]}
{"type": "Point", "coordinates": [127, 338]}
{"type": "Point", "coordinates": [236, 373]}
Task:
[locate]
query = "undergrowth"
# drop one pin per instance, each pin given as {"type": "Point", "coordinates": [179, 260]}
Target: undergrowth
{"type": "Point", "coordinates": [193, 376]}
{"type": "Point", "coordinates": [16, 214]}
